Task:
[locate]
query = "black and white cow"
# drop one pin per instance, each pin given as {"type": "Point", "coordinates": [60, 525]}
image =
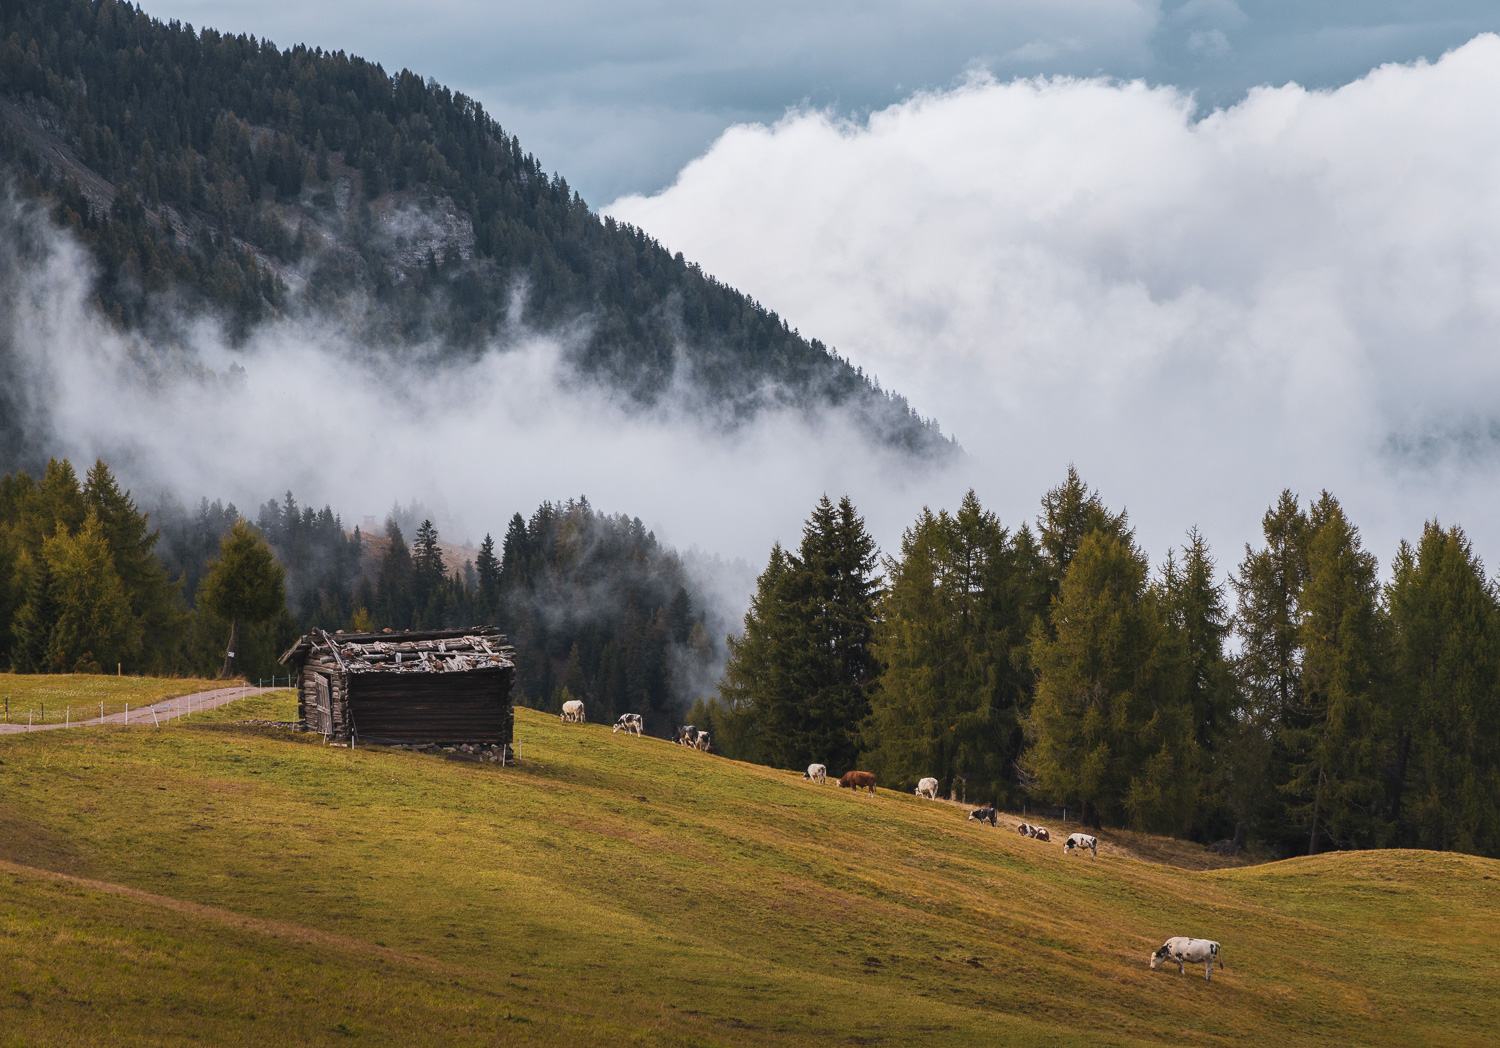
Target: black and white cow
{"type": "Point", "coordinates": [1185, 950]}
{"type": "Point", "coordinates": [1079, 841]}
{"type": "Point", "coordinates": [631, 722]}
{"type": "Point", "coordinates": [818, 773]}
{"type": "Point", "coordinates": [685, 735]}
{"type": "Point", "coordinates": [989, 815]}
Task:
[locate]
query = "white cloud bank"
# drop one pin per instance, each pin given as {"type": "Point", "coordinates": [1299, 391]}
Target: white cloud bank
{"type": "Point", "coordinates": [305, 406]}
{"type": "Point", "coordinates": [1302, 290]}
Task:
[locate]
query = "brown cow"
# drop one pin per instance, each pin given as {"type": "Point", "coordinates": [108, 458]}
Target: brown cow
{"type": "Point", "coordinates": [858, 780]}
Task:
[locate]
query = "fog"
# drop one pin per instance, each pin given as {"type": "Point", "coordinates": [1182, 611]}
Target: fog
{"type": "Point", "coordinates": [1299, 291]}
{"type": "Point", "coordinates": [301, 406]}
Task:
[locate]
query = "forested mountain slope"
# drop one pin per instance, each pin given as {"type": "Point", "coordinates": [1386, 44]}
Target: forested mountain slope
{"type": "Point", "coordinates": [203, 169]}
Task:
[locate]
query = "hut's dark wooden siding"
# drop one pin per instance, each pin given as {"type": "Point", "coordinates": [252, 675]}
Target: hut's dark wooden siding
{"type": "Point", "coordinates": [432, 707]}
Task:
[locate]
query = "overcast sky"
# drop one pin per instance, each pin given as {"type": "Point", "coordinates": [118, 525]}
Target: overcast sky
{"type": "Point", "coordinates": [617, 96]}
{"type": "Point", "coordinates": [1196, 289]}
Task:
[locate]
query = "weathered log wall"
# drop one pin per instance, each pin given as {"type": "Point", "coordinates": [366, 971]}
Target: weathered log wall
{"type": "Point", "coordinates": [432, 707]}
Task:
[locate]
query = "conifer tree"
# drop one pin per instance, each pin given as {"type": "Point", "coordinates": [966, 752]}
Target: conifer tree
{"type": "Point", "coordinates": [487, 568]}
{"type": "Point", "coordinates": [805, 662]}
{"type": "Point", "coordinates": [428, 574]}
{"type": "Point", "coordinates": [1444, 774]}
{"type": "Point", "coordinates": [1334, 738]}
{"type": "Point", "coordinates": [394, 582]}
{"type": "Point", "coordinates": [1267, 619]}
{"type": "Point", "coordinates": [1110, 725]}
{"type": "Point", "coordinates": [243, 585]}
{"type": "Point", "coordinates": [960, 600]}
{"type": "Point", "coordinates": [1069, 512]}
{"type": "Point", "coordinates": [94, 627]}
{"type": "Point", "coordinates": [1199, 616]}
{"type": "Point", "coordinates": [132, 547]}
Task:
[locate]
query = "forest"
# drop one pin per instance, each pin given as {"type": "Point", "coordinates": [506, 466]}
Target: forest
{"type": "Point", "coordinates": [216, 173]}
{"type": "Point", "coordinates": [595, 606]}
{"type": "Point", "coordinates": [1302, 701]}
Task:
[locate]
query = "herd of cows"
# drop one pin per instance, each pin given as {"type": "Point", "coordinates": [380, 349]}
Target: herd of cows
{"type": "Point", "coordinates": [1181, 949]}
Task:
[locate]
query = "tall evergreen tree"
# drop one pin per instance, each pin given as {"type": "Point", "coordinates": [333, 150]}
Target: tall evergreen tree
{"type": "Point", "coordinates": [132, 547]}
{"type": "Point", "coordinates": [244, 586]}
{"type": "Point", "coordinates": [94, 628]}
{"type": "Point", "coordinates": [428, 574]}
{"type": "Point", "coordinates": [1334, 741]}
{"type": "Point", "coordinates": [1199, 616]}
{"type": "Point", "coordinates": [806, 662]}
{"type": "Point", "coordinates": [487, 569]}
{"type": "Point", "coordinates": [960, 601]}
{"type": "Point", "coordinates": [1069, 512]}
{"type": "Point", "coordinates": [395, 582]}
{"type": "Point", "coordinates": [1110, 724]}
{"type": "Point", "coordinates": [1444, 773]}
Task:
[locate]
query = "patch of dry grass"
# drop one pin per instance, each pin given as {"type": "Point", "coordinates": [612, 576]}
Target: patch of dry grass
{"type": "Point", "coordinates": [620, 890]}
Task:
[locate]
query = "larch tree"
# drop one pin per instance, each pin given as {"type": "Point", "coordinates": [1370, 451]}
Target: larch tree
{"type": "Point", "coordinates": [1110, 727]}
{"type": "Point", "coordinates": [132, 546]}
{"type": "Point", "coordinates": [959, 601]}
{"type": "Point", "coordinates": [94, 628]}
{"type": "Point", "coordinates": [244, 584]}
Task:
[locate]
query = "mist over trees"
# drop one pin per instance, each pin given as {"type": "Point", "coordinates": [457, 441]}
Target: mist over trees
{"type": "Point", "coordinates": [223, 174]}
{"type": "Point", "coordinates": [1318, 709]}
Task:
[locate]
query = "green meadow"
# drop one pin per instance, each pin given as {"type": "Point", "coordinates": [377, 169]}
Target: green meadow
{"type": "Point", "coordinates": [209, 882]}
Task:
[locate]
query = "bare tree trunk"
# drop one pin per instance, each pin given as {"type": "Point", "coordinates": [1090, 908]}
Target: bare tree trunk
{"type": "Point", "coordinates": [1312, 840]}
{"type": "Point", "coordinates": [229, 651]}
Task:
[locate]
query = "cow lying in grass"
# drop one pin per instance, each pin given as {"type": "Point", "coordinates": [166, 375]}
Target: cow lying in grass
{"type": "Point", "coordinates": [927, 788]}
{"type": "Point", "coordinates": [1185, 950]}
{"type": "Point", "coordinates": [989, 815]}
{"type": "Point", "coordinates": [1039, 833]}
{"type": "Point", "coordinates": [818, 773]}
{"type": "Point", "coordinates": [1079, 841]}
{"type": "Point", "coordinates": [858, 780]}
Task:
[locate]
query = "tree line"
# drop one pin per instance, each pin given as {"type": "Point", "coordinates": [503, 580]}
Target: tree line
{"type": "Point", "coordinates": [596, 607]}
{"type": "Point", "coordinates": [1303, 699]}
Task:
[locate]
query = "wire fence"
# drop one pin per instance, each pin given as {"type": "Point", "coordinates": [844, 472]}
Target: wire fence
{"type": "Point", "coordinates": [38, 714]}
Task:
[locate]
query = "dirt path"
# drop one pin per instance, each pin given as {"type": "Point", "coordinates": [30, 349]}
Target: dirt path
{"type": "Point", "coordinates": [153, 713]}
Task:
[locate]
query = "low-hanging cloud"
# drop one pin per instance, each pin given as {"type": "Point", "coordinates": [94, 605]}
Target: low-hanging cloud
{"type": "Point", "coordinates": [303, 405]}
{"type": "Point", "coordinates": [1302, 290]}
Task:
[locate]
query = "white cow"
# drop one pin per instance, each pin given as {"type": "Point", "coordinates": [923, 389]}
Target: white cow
{"type": "Point", "coordinates": [927, 788]}
{"type": "Point", "coordinates": [818, 773]}
{"type": "Point", "coordinates": [630, 722]}
{"type": "Point", "coordinates": [1080, 841]}
{"type": "Point", "coordinates": [1185, 950]}
{"type": "Point", "coordinates": [572, 712]}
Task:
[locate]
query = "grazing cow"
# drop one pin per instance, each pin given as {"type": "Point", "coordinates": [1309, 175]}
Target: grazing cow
{"type": "Point", "coordinates": [858, 780]}
{"type": "Point", "coordinates": [572, 712]}
{"type": "Point", "coordinates": [685, 735]}
{"type": "Point", "coordinates": [818, 773]}
{"type": "Point", "coordinates": [631, 722]}
{"type": "Point", "coordinates": [1185, 950]}
{"type": "Point", "coordinates": [1080, 841]}
{"type": "Point", "coordinates": [988, 815]}
{"type": "Point", "coordinates": [927, 788]}
{"type": "Point", "coordinates": [701, 742]}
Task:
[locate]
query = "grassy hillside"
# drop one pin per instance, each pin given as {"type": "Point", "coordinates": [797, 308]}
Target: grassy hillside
{"type": "Point", "coordinates": [213, 883]}
{"type": "Point", "coordinates": [82, 692]}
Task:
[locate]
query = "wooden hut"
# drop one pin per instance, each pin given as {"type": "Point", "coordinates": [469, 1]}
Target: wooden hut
{"type": "Point", "coordinates": [415, 686]}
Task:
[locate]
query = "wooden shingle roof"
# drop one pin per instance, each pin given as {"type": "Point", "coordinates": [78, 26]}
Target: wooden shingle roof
{"type": "Point", "coordinates": [412, 651]}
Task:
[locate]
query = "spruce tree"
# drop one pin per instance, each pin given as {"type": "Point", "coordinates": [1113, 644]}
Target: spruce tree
{"type": "Point", "coordinates": [1199, 616]}
{"type": "Point", "coordinates": [757, 685]}
{"type": "Point", "coordinates": [1069, 512]}
{"type": "Point", "coordinates": [394, 603]}
{"type": "Point", "coordinates": [132, 546]}
{"type": "Point", "coordinates": [428, 574]}
{"type": "Point", "coordinates": [1443, 778]}
{"type": "Point", "coordinates": [487, 568]}
{"type": "Point", "coordinates": [1334, 739]}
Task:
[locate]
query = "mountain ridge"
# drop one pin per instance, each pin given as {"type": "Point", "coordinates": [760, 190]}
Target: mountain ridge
{"type": "Point", "coordinates": [218, 172]}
